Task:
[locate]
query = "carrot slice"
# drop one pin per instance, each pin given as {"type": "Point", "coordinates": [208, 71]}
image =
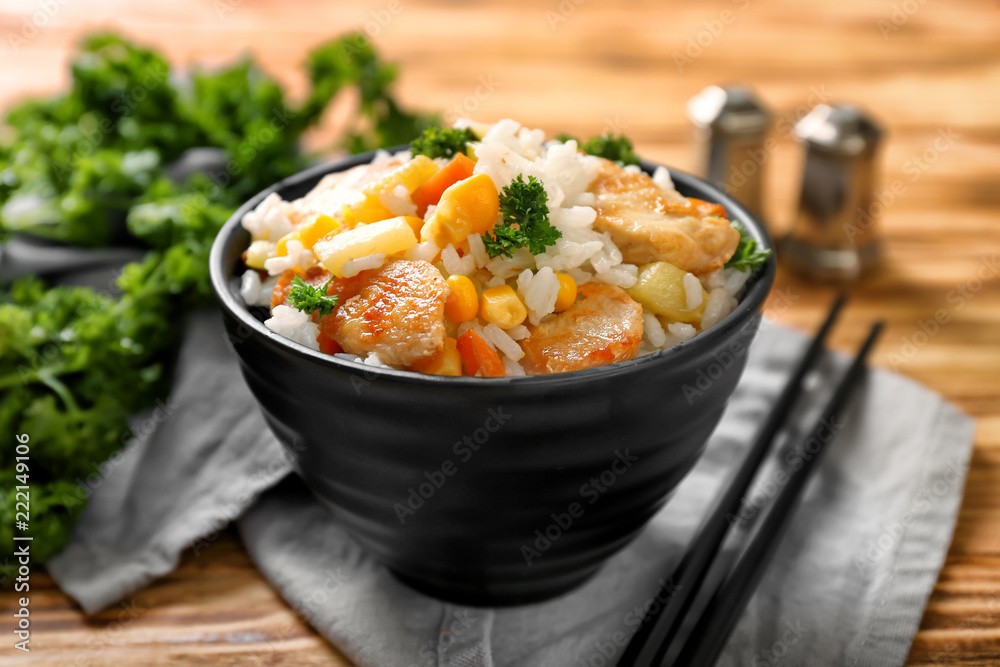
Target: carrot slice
{"type": "Point", "coordinates": [478, 357]}
{"type": "Point", "coordinates": [459, 169]}
{"type": "Point", "coordinates": [705, 208]}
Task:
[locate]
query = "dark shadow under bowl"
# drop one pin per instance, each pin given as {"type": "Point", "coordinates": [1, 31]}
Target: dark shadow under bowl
{"type": "Point", "coordinates": [490, 491]}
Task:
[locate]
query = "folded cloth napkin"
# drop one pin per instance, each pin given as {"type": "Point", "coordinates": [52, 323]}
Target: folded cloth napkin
{"type": "Point", "coordinates": [847, 586]}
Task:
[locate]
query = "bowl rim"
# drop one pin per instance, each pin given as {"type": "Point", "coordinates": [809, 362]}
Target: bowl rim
{"type": "Point", "coordinates": [759, 285]}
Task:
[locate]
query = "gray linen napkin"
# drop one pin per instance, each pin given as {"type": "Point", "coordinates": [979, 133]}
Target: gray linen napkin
{"type": "Point", "coordinates": [848, 585]}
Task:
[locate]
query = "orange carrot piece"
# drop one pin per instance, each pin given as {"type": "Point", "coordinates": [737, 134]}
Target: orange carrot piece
{"type": "Point", "coordinates": [479, 357]}
{"type": "Point", "coordinates": [459, 169]}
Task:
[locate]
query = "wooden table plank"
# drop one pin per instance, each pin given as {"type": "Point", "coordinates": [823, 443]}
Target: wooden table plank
{"type": "Point", "coordinates": [584, 66]}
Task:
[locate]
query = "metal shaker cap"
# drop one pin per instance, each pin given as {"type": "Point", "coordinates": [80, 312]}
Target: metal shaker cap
{"type": "Point", "coordinates": [839, 130]}
{"type": "Point", "coordinates": [834, 236]}
{"type": "Point", "coordinates": [730, 126]}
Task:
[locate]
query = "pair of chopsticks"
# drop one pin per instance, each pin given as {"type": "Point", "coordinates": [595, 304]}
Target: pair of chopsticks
{"type": "Point", "coordinates": [659, 637]}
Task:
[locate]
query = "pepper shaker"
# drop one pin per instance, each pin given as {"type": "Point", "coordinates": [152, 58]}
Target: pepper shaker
{"type": "Point", "coordinates": [730, 129]}
{"type": "Point", "coordinates": [834, 236]}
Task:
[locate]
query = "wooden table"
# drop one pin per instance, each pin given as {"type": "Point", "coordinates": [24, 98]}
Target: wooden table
{"type": "Point", "coordinates": [923, 68]}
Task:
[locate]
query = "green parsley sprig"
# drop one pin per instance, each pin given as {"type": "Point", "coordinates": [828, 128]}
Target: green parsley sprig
{"type": "Point", "coordinates": [747, 256]}
{"type": "Point", "coordinates": [525, 211]}
{"type": "Point", "coordinates": [617, 148]}
{"type": "Point", "coordinates": [311, 299]}
{"type": "Point", "coordinates": [441, 142]}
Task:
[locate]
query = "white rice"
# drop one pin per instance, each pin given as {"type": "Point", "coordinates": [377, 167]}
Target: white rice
{"type": "Point", "coordinates": [425, 251]}
{"type": "Point", "coordinates": [398, 201]}
{"type": "Point", "coordinates": [296, 256]}
{"type": "Point", "coordinates": [353, 267]}
{"type": "Point", "coordinates": [512, 368]}
{"type": "Point", "coordinates": [455, 264]}
{"type": "Point", "coordinates": [505, 151]}
{"type": "Point", "coordinates": [250, 287]}
{"type": "Point", "coordinates": [268, 221]}
{"type": "Point", "coordinates": [692, 291]}
{"type": "Point", "coordinates": [294, 324]}
{"type": "Point", "coordinates": [653, 330]}
{"type": "Point", "coordinates": [478, 250]}
{"type": "Point", "coordinates": [520, 332]}
{"type": "Point", "coordinates": [503, 342]}
{"type": "Point", "coordinates": [538, 291]}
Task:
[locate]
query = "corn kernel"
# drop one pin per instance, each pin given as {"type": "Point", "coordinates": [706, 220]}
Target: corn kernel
{"type": "Point", "coordinates": [415, 224]}
{"type": "Point", "coordinates": [468, 207]}
{"type": "Point", "coordinates": [365, 211]}
{"type": "Point", "coordinates": [462, 304]}
{"type": "Point", "coordinates": [501, 306]}
{"type": "Point", "coordinates": [567, 292]}
{"type": "Point", "coordinates": [281, 249]}
{"type": "Point", "coordinates": [316, 228]}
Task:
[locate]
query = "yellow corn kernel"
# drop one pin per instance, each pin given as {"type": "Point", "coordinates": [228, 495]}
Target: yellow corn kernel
{"type": "Point", "coordinates": [468, 207]}
{"type": "Point", "coordinates": [462, 304]}
{"type": "Point", "coordinates": [281, 249]}
{"type": "Point", "coordinates": [389, 236]}
{"type": "Point", "coordinates": [415, 223]}
{"type": "Point", "coordinates": [567, 292]}
{"type": "Point", "coordinates": [258, 253]}
{"type": "Point", "coordinates": [315, 228]}
{"type": "Point", "coordinates": [447, 362]}
{"type": "Point", "coordinates": [501, 306]}
{"type": "Point", "coordinates": [365, 211]}
{"type": "Point", "coordinates": [413, 174]}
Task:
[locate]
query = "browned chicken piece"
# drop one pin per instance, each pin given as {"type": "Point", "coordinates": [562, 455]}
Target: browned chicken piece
{"type": "Point", "coordinates": [649, 226]}
{"type": "Point", "coordinates": [334, 190]}
{"type": "Point", "coordinates": [398, 314]}
{"type": "Point", "coordinates": [603, 326]}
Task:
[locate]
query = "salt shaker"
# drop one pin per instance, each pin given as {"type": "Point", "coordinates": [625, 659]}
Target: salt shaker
{"type": "Point", "coordinates": [730, 128]}
{"type": "Point", "coordinates": [834, 236]}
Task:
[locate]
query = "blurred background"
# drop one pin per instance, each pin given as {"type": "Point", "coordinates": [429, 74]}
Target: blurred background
{"type": "Point", "coordinates": [927, 70]}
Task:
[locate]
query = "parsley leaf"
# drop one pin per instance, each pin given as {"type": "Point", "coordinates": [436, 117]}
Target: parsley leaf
{"type": "Point", "coordinates": [441, 142]}
{"type": "Point", "coordinates": [311, 299]}
{"type": "Point", "coordinates": [747, 256]}
{"type": "Point", "coordinates": [525, 212]}
{"type": "Point", "coordinates": [617, 148]}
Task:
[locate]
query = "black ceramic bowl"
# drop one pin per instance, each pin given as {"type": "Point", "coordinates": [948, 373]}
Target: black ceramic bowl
{"type": "Point", "coordinates": [490, 491]}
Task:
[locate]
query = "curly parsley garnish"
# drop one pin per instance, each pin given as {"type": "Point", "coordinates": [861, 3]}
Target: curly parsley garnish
{"type": "Point", "coordinates": [525, 211]}
{"type": "Point", "coordinates": [747, 256]}
{"type": "Point", "coordinates": [617, 148]}
{"type": "Point", "coordinates": [441, 142]}
{"type": "Point", "coordinates": [311, 299]}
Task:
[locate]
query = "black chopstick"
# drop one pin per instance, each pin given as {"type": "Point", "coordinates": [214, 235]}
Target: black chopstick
{"type": "Point", "coordinates": [717, 620]}
{"type": "Point", "coordinates": [659, 629]}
